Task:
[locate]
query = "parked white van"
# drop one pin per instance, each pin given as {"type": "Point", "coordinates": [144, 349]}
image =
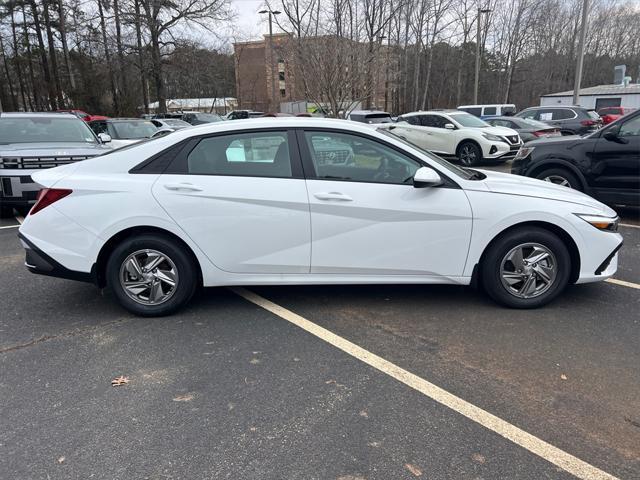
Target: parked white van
{"type": "Point", "coordinates": [494, 110]}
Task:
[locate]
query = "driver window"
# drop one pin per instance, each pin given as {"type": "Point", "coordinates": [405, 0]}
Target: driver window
{"type": "Point", "coordinates": [338, 156]}
{"type": "Point", "coordinates": [630, 128]}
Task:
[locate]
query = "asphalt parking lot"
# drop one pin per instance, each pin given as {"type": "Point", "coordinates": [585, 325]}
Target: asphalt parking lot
{"type": "Point", "coordinates": [228, 389]}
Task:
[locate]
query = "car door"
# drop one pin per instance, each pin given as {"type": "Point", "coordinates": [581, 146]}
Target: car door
{"type": "Point", "coordinates": [615, 168]}
{"type": "Point", "coordinates": [368, 219]}
{"type": "Point", "coordinates": [241, 197]}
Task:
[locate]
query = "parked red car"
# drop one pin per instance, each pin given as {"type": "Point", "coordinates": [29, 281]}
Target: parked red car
{"type": "Point", "coordinates": [87, 117]}
{"type": "Point", "coordinates": [609, 114]}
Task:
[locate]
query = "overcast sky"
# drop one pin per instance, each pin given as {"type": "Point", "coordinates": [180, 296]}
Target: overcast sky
{"type": "Point", "coordinates": [249, 22]}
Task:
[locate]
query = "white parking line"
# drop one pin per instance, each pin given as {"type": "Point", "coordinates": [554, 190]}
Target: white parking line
{"type": "Point", "coordinates": [560, 458]}
{"type": "Point", "coordinates": [615, 281]}
{"type": "Point", "coordinates": [628, 225]}
{"type": "Point", "coordinates": [9, 226]}
{"type": "Point", "coordinates": [20, 219]}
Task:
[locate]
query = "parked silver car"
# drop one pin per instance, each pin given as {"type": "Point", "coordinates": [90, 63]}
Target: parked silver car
{"type": "Point", "coordinates": [33, 141]}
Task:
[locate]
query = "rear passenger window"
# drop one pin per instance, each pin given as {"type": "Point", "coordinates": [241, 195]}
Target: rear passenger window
{"type": "Point", "coordinates": [477, 111]}
{"type": "Point", "coordinates": [563, 114]}
{"type": "Point", "coordinates": [247, 154]}
{"type": "Point", "coordinates": [489, 110]}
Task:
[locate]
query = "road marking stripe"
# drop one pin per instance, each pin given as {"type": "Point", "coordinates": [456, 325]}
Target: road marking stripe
{"type": "Point", "coordinates": [628, 225]}
{"type": "Point", "coordinates": [20, 219]}
{"type": "Point", "coordinates": [539, 447]}
{"type": "Point", "coordinates": [9, 226]}
{"type": "Point", "coordinates": [615, 281]}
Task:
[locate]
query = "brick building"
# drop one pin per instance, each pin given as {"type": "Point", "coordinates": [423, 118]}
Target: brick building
{"type": "Point", "coordinates": [256, 63]}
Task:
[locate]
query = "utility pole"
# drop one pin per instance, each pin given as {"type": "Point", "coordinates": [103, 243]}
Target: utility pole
{"type": "Point", "coordinates": [583, 38]}
{"type": "Point", "coordinates": [478, 39]}
{"type": "Point", "coordinates": [274, 72]}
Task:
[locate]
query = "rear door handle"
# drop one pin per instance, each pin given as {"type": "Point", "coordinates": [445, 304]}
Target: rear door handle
{"type": "Point", "coordinates": [188, 187]}
{"type": "Point", "coordinates": [333, 196]}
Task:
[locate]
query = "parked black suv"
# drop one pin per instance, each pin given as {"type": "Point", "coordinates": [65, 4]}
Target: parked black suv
{"type": "Point", "coordinates": [569, 119]}
{"type": "Point", "coordinates": [605, 164]}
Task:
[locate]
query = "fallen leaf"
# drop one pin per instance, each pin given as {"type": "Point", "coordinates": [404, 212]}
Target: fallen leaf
{"type": "Point", "coordinates": [61, 460]}
{"type": "Point", "coordinates": [374, 444]}
{"type": "Point", "coordinates": [187, 397]}
{"type": "Point", "coordinates": [413, 469]}
{"type": "Point", "coordinates": [119, 381]}
{"type": "Point", "coordinates": [563, 376]}
{"type": "Point", "coordinates": [363, 413]}
{"type": "Point", "coordinates": [254, 361]}
{"type": "Point", "coordinates": [479, 458]}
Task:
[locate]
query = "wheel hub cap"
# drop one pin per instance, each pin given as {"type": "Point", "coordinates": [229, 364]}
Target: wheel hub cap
{"type": "Point", "coordinates": [528, 270]}
{"type": "Point", "coordinates": [148, 277]}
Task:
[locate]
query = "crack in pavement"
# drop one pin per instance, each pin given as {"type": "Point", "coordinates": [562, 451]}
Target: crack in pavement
{"type": "Point", "coordinates": [73, 333]}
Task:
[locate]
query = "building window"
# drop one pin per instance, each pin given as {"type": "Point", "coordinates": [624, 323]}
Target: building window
{"type": "Point", "coordinates": [281, 76]}
{"type": "Point", "coordinates": [283, 92]}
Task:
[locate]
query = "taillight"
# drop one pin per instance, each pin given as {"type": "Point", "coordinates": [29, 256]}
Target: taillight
{"type": "Point", "coordinates": [47, 196]}
{"type": "Point", "coordinates": [540, 133]}
{"type": "Point", "coordinates": [588, 123]}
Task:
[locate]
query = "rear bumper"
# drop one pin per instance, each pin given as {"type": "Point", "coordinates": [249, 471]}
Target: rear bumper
{"type": "Point", "coordinates": [40, 263]}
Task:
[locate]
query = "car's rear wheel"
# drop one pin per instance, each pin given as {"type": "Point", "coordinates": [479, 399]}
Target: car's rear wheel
{"type": "Point", "coordinates": [526, 268]}
{"type": "Point", "coordinates": [469, 154]}
{"type": "Point", "coordinates": [151, 275]}
{"type": "Point", "coordinates": [560, 176]}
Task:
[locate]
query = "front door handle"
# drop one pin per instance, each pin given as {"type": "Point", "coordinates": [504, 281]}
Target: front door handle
{"type": "Point", "coordinates": [182, 186]}
{"type": "Point", "coordinates": [341, 197]}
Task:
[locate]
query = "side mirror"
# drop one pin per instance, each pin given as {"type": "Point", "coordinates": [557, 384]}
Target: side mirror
{"type": "Point", "coordinates": [449, 126]}
{"type": "Point", "coordinates": [426, 177]}
{"type": "Point", "coordinates": [612, 136]}
{"type": "Point", "coordinates": [162, 132]}
{"type": "Point", "coordinates": [104, 137]}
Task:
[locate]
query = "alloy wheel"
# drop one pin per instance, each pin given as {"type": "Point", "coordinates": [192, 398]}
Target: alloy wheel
{"type": "Point", "coordinates": [468, 155]}
{"type": "Point", "coordinates": [528, 270]}
{"type": "Point", "coordinates": [558, 180]}
{"type": "Point", "coordinates": [148, 277]}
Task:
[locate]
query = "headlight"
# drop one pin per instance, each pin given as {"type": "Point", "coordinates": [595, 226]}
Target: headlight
{"type": "Point", "coordinates": [524, 152]}
{"type": "Point", "coordinates": [610, 224]}
{"type": "Point", "coordinates": [493, 138]}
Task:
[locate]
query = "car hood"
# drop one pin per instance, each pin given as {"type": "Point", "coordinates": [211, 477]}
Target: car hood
{"type": "Point", "coordinates": [42, 149]}
{"type": "Point", "coordinates": [562, 142]}
{"type": "Point", "coordinates": [530, 187]}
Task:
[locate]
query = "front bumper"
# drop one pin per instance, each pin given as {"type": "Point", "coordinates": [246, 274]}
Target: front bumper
{"type": "Point", "coordinates": [40, 263]}
{"type": "Point", "coordinates": [501, 151]}
{"type": "Point", "coordinates": [17, 189]}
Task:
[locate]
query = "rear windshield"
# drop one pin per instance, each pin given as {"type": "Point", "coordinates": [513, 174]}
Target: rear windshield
{"type": "Point", "coordinates": [593, 114]}
{"type": "Point", "coordinates": [378, 118]}
{"type": "Point", "coordinates": [65, 129]}
{"type": "Point", "coordinates": [208, 117]}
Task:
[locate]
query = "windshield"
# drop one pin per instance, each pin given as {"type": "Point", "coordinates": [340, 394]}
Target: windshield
{"type": "Point", "coordinates": [468, 120]}
{"type": "Point", "coordinates": [133, 129]}
{"type": "Point", "coordinates": [459, 171]}
{"type": "Point", "coordinates": [378, 118]}
{"type": "Point", "coordinates": [175, 122]}
{"type": "Point", "coordinates": [65, 129]}
{"type": "Point", "coordinates": [208, 117]}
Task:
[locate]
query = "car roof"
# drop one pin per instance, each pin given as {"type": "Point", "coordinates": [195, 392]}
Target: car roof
{"type": "Point", "coordinates": [433, 111]}
{"type": "Point", "coordinates": [368, 112]}
{"type": "Point", "coordinates": [556, 106]}
{"type": "Point", "coordinates": [123, 119]}
{"type": "Point", "coordinates": [37, 114]}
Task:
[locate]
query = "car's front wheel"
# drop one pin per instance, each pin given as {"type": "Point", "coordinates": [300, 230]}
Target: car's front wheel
{"type": "Point", "coordinates": [526, 268]}
{"type": "Point", "coordinates": [151, 275]}
{"type": "Point", "coordinates": [469, 154]}
{"type": "Point", "coordinates": [560, 176]}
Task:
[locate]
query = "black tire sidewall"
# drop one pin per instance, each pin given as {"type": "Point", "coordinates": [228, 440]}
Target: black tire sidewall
{"type": "Point", "coordinates": [491, 265]}
{"type": "Point", "coordinates": [187, 274]}
{"type": "Point", "coordinates": [573, 180]}
{"type": "Point", "coordinates": [476, 148]}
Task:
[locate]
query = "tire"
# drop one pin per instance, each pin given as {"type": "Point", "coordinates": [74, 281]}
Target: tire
{"type": "Point", "coordinates": [505, 278]}
{"type": "Point", "coordinates": [560, 176]}
{"type": "Point", "coordinates": [154, 296]}
{"type": "Point", "coordinates": [6, 212]}
{"type": "Point", "coordinates": [469, 154]}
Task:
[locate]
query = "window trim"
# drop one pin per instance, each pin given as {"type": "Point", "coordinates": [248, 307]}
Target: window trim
{"type": "Point", "coordinates": [179, 165]}
{"type": "Point", "coordinates": [310, 169]}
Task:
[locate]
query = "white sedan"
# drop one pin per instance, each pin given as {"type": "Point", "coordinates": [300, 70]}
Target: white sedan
{"type": "Point", "coordinates": [256, 203]}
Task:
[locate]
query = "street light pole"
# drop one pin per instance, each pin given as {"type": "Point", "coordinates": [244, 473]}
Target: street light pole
{"type": "Point", "coordinates": [478, 35]}
{"type": "Point", "coordinates": [583, 38]}
{"type": "Point", "coordinates": [272, 13]}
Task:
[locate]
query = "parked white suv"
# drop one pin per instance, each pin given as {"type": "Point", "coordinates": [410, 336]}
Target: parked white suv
{"type": "Point", "coordinates": [455, 134]}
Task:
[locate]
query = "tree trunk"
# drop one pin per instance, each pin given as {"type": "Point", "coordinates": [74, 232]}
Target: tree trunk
{"type": "Point", "coordinates": [12, 96]}
{"type": "Point", "coordinates": [65, 48]}
{"type": "Point", "coordinates": [107, 56]}
{"type": "Point", "coordinates": [52, 54]}
{"type": "Point", "coordinates": [32, 79]}
{"type": "Point", "coordinates": [143, 72]}
{"type": "Point", "coordinates": [16, 58]}
{"type": "Point", "coordinates": [156, 60]}
{"type": "Point", "coordinates": [121, 73]}
{"type": "Point", "coordinates": [43, 56]}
